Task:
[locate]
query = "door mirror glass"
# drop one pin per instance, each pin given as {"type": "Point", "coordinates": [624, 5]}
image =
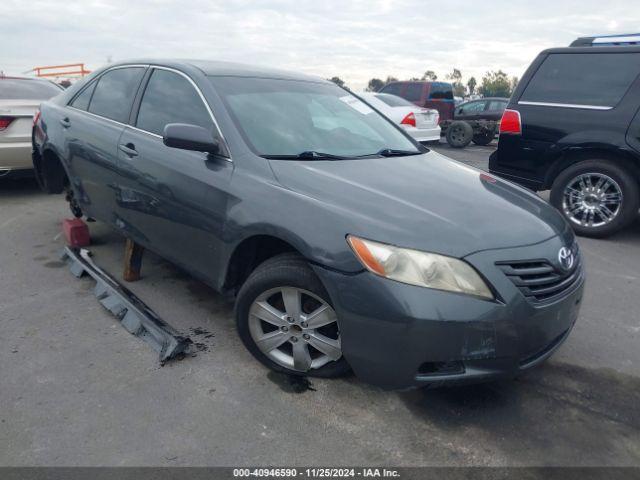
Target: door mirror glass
{"type": "Point", "coordinates": [189, 137]}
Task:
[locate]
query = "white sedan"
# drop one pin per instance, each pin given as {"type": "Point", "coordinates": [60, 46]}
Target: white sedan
{"type": "Point", "coordinates": [420, 123]}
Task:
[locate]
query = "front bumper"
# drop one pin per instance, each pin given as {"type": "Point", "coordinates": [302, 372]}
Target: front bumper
{"type": "Point", "coordinates": [400, 336]}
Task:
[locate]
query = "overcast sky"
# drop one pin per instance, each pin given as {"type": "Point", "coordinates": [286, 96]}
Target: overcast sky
{"type": "Point", "coordinates": [356, 40]}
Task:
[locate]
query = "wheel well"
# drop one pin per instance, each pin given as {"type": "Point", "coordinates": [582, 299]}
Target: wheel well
{"type": "Point", "coordinates": [570, 158]}
{"type": "Point", "coordinates": [50, 173]}
{"type": "Point", "coordinates": [250, 253]}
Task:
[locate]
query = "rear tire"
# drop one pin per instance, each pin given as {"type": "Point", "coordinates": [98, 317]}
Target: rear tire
{"type": "Point", "coordinates": [459, 134]}
{"type": "Point", "coordinates": [598, 197]}
{"type": "Point", "coordinates": [266, 286]}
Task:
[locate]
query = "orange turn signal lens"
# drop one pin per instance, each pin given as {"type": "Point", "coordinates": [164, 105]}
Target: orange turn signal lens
{"type": "Point", "coordinates": [364, 255]}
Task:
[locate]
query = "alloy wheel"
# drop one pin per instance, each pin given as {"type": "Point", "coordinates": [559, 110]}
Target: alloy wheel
{"type": "Point", "coordinates": [592, 199]}
{"type": "Point", "coordinates": [295, 328]}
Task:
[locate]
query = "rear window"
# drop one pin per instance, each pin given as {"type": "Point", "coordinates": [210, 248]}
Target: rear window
{"type": "Point", "coordinates": [590, 79]}
{"type": "Point", "coordinates": [393, 100]}
{"type": "Point", "coordinates": [26, 89]}
{"type": "Point", "coordinates": [441, 91]}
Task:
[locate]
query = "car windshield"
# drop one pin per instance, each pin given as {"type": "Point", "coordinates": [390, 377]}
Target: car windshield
{"type": "Point", "coordinates": [307, 120]}
{"type": "Point", "coordinates": [27, 89]}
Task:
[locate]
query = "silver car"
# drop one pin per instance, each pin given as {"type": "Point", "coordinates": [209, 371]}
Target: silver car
{"type": "Point", "coordinates": [19, 100]}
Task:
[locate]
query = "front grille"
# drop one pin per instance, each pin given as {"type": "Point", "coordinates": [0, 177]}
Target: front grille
{"type": "Point", "coordinates": [540, 280]}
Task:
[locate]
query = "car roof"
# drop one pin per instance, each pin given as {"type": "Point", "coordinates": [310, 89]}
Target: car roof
{"type": "Point", "coordinates": [15, 77]}
{"type": "Point", "coordinates": [225, 69]}
{"type": "Point", "coordinates": [603, 49]}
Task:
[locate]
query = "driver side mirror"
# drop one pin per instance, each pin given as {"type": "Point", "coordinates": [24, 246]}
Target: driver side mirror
{"type": "Point", "coordinates": [190, 137]}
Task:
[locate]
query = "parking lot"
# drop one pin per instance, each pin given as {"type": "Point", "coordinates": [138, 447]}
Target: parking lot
{"type": "Point", "coordinates": [77, 389]}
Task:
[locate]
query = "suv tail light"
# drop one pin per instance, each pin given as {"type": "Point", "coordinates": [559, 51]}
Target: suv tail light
{"type": "Point", "coordinates": [410, 119]}
{"type": "Point", "coordinates": [511, 122]}
{"type": "Point", "coordinates": [36, 117]}
{"type": "Point", "coordinates": [5, 122]}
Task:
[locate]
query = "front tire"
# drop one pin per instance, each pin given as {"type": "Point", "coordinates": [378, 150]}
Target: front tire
{"type": "Point", "coordinates": [459, 134]}
{"type": "Point", "coordinates": [597, 197]}
{"type": "Point", "coordinates": [286, 320]}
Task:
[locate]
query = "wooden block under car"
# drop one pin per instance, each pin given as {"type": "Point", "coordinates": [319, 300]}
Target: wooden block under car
{"type": "Point", "coordinates": [76, 232]}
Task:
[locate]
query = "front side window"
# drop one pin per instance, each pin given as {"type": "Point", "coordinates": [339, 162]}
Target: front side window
{"type": "Point", "coordinates": [473, 107]}
{"type": "Point", "coordinates": [170, 98]}
{"type": "Point", "coordinates": [392, 88]}
{"type": "Point", "coordinates": [590, 79]}
{"type": "Point", "coordinates": [113, 95]}
{"type": "Point", "coordinates": [27, 89]}
{"type": "Point", "coordinates": [286, 118]}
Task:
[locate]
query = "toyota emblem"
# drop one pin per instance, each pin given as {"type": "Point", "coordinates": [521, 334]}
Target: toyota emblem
{"type": "Point", "coordinates": [566, 259]}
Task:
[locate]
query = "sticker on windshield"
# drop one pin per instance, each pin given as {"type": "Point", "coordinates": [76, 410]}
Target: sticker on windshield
{"type": "Point", "coordinates": [356, 104]}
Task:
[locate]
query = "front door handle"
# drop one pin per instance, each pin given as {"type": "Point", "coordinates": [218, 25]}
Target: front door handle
{"type": "Point", "coordinates": [65, 122]}
{"type": "Point", "coordinates": [129, 149]}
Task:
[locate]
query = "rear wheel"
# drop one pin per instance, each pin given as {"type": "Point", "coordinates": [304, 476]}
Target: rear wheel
{"type": "Point", "coordinates": [459, 134]}
{"type": "Point", "coordinates": [597, 197]}
{"type": "Point", "coordinates": [285, 319]}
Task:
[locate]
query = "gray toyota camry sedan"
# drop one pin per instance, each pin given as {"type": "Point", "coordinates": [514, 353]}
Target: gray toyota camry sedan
{"type": "Point", "coordinates": [346, 244]}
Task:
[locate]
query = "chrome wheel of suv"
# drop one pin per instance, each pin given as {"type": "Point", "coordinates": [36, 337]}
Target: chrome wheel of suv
{"type": "Point", "coordinates": [592, 199]}
{"type": "Point", "coordinates": [295, 328]}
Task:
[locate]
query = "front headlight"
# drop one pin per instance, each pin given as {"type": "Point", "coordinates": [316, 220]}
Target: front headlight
{"type": "Point", "coordinates": [419, 268]}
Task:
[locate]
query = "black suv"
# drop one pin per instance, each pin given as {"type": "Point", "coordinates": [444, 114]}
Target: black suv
{"type": "Point", "coordinates": [573, 126]}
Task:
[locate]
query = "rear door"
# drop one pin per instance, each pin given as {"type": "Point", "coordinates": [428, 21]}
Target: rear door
{"type": "Point", "coordinates": [93, 123]}
{"type": "Point", "coordinates": [173, 201]}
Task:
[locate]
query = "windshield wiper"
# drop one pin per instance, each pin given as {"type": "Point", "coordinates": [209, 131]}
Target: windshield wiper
{"type": "Point", "coordinates": [306, 155]}
{"type": "Point", "coordinates": [390, 152]}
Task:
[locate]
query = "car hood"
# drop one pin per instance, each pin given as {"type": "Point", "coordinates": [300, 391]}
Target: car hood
{"type": "Point", "coordinates": [427, 202]}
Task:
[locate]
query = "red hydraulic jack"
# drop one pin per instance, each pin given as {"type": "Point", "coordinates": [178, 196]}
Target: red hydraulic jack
{"type": "Point", "coordinates": [76, 232]}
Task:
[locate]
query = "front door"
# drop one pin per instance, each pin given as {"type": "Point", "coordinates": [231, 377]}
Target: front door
{"type": "Point", "coordinates": [172, 201]}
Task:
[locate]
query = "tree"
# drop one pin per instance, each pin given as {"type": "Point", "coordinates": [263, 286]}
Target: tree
{"type": "Point", "coordinates": [459, 89]}
{"type": "Point", "coordinates": [390, 79]}
{"type": "Point", "coordinates": [338, 81]}
{"type": "Point", "coordinates": [514, 84]}
{"type": "Point", "coordinates": [374, 85]}
{"type": "Point", "coordinates": [430, 75]}
{"type": "Point", "coordinates": [471, 85]}
{"type": "Point", "coordinates": [497, 84]}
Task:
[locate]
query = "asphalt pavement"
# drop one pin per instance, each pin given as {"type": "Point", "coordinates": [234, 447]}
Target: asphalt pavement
{"type": "Point", "coordinates": [77, 389]}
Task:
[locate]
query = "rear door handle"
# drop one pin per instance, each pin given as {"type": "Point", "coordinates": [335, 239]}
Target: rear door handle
{"type": "Point", "coordinates": [65, 122]}
{"type": "Point", "coordinates": [129, 149]}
